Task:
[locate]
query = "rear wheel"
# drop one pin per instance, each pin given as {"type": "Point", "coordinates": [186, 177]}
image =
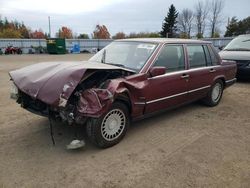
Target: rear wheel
{"type": "Point", "coordinates": [111, 127]}
{"type": "Point", "coordinates": [214, 96]}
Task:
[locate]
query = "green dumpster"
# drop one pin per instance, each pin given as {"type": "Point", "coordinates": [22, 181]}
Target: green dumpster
{"type": "Point", "coordinates": [56, 46]}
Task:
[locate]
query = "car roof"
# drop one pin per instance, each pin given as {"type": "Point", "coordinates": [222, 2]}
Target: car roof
{"type": "Point", "coordinates": [165, 40]}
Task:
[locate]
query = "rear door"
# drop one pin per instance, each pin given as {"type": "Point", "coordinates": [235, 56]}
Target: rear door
{"type": "Point", "coordinates": [170, 89]}
{"type": "Point", "coordinates": [202, 70]}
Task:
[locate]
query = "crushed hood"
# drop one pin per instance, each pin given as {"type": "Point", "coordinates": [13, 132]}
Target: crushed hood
{"type": "Point", "coordinates": [47, 81]}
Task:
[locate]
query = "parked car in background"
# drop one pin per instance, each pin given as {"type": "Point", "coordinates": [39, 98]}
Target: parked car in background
{"type": "Point", "coordinates": [127, 80]}
{"type": "Point", "coordinates": [239, 50]}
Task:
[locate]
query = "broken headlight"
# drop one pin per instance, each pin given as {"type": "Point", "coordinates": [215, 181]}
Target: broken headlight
{"type": "Point", "coordinates": [13, 91]}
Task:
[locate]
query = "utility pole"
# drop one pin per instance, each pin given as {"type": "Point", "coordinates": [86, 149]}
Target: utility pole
{"type": "Point", "coordinates": [49, 28]}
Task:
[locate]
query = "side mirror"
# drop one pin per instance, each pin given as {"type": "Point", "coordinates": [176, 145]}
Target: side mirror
{"type": "Point", "coordinates": [157, 71]}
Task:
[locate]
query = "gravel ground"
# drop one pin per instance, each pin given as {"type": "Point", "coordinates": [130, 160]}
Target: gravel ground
{"type": "Point", "coordinates": [192, 146]}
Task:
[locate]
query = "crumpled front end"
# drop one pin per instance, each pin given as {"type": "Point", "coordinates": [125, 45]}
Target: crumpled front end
{"type": "Point", "coordinates": [89, 103]}
{"type": "Point", "coordinates": [69, 92]}
{"type": "Point", "coordinates": [92, 98]}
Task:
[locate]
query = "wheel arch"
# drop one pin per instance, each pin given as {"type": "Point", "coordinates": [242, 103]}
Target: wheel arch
{"type": "Point", "coordinates": [124, 97]}
{"type": "Point", "coordinates": [222, 78]}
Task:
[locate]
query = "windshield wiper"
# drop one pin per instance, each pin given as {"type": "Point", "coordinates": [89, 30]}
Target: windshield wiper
{"type": "Point", "coordinates": [119, 65]}
{"type": "Point", "coordinates": [237, 49]}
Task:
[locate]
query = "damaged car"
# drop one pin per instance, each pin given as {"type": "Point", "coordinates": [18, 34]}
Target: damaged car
{"type": "Point", "coordinates": [127, 80]}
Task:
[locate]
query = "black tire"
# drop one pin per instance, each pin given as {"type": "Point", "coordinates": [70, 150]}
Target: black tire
{"type": "Point", "coordinates": [99, 130]}
{"type": "Point", "coordinates": [211, 100]}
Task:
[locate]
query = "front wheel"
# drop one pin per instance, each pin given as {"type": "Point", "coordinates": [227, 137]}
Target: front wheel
{"type": "Point", "coordinates": [215, 94]}
{"type": "Point", "coordinates": [111, 127]}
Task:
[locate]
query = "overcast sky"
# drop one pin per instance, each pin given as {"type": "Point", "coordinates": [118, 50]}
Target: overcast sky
{"type": "Point", "coordinates": [118, 15]}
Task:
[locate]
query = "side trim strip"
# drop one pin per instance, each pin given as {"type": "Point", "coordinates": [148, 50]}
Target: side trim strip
{"type": "Point", "coordinates": [139, 103]}
{"type": "Point", "coordinates": [168, 97]}
{"type": "Point", "coordinates": [179, 94]}
{"type": "Point", "coordinates": [179, 72]}
{"type": "Point", "coordinates": [205, 87]}
{"type": "Point", "coordinates": [228, 81]}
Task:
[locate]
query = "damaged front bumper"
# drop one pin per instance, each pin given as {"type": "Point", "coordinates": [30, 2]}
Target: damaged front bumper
{"type": "Point", "coordinates": [13, 91]}
{"type": "Point", "coordinates": [92, 102]}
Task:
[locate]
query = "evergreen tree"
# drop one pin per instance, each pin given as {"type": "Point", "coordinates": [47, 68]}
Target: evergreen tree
{"type": "Point", "coordinates": [232, 27]}
{"type": "Point", "coordinates": [235, 27]}
{"type": "Point", "coordinates": [244, 26]}
{"type": "Point", "coordinates": [169, 26]}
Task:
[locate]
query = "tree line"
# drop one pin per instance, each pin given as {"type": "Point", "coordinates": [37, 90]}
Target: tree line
{"type": "Point", "coordinates": [15, 29]}
{"type": "Point", "coordinates": [205, 18]}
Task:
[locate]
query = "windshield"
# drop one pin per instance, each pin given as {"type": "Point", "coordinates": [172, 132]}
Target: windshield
{"type": "Point", "coordinates": [241, 43]}
{"type": "Point", "coordinates": [131, 55]}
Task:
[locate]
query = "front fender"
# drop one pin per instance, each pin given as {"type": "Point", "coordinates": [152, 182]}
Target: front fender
{"type": "Point", "coordinates": [94, 102]}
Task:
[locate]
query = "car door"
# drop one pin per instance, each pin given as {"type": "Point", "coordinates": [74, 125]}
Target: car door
{"type": "Point", "coordinates": [167, 90]}
{"type": "Point", "coordinates": [201, 71]}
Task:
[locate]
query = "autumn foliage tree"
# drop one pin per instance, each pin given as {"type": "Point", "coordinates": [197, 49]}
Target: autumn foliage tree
{"type": "Point", "coordinates": [37, 34]}
{"type": "Point", "coordinates": [25, 31]}
{"type": "Point", "coordinates": [101, 32]}
{"type": "Point", "coordinates": [13, 29]}
{"type": "Point", "coordinates": [10, 33]}
{"type": "Point", "coordinates": [65, 32]}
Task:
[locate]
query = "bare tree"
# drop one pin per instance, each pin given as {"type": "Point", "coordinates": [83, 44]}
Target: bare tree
{"type": "Point", "coordinates": [200, 14]}
{"type": "Point", "coordinates": [185, 19]}
{"type": "Point", "coordinates": [216, 8]}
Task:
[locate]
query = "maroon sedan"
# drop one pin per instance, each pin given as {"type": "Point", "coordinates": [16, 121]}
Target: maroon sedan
{"type": "Point", "coordinates": [127, 80]}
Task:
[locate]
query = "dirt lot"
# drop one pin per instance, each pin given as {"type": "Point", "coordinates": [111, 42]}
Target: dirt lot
{"type": "Point", "coordinates": [192, 146]}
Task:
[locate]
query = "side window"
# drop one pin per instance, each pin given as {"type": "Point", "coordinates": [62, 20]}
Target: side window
{"type": "Point", "coordinates": [214, 58]}
{"type": "Point", "coordinates": [196, 56]}
{"type": "Point", "coordinates": [171, 57]}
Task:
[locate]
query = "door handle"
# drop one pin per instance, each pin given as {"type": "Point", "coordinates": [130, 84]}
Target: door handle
{"type": "Point", "coordinates": [185, 76]}
{"type": "Point", "coordinates": [212, 70]}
